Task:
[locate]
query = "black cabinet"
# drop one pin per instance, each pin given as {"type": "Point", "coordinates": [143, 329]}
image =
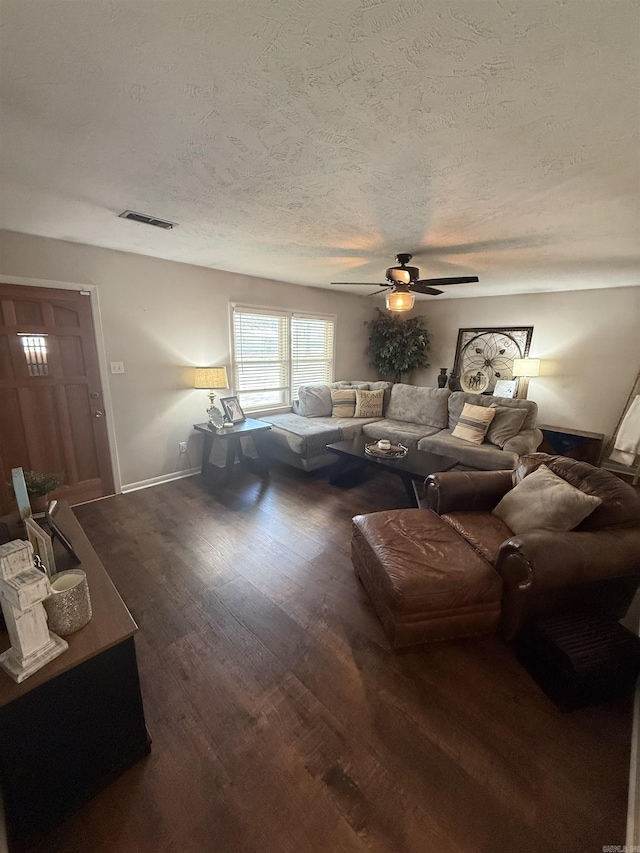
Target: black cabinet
{"type": "Point", "coordinates": [76, 724]}
{"type": "Point", "coordinates": [560, 441]}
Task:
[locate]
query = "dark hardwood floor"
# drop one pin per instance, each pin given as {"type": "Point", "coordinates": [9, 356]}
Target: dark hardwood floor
{"type": "Point", "coordinates": [283, 723]}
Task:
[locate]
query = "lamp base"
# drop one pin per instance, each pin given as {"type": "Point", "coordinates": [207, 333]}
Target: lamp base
{"type": "Point", "coordinates": [215, 417]}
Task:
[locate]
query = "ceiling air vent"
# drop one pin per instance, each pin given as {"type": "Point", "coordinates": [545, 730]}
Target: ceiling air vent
{"type": "Point", "coordinates": [148, 220]}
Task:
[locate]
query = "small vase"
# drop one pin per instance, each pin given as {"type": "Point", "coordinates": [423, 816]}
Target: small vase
{"type": "Point", "coordinates": [442, 379]}
{"type": "Point", "coordinates": [454, 383]}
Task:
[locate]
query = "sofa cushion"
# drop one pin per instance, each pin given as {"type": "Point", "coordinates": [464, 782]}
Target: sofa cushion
{"type": "Point", "coordinates": [343, 402]}
{"type": "Point", "coordinates": [386, 387]}
{"type": "Point", "coordinates": [398, 432]}
{"type": "Point", "coordinates": [459, 398]}
{"type": "Point", "coordinates": [484, 531]}
{"type": "Point", "coordinates": [620, 505]}
{"type": "Point", "coordinates": [341, 384]}
{"type": "Point", "coordinates": [369, 403]}
{"type": "Point", "coordinates": [506, 424]}
{"type": "Point", "coordinates": [350, 427]}
{"type": "Point", "coordinates": [314, 401]}
{"type": "Point", "coordinates": [473, 423]}
{"type": "Point", "coordinates": [418, 405]}
{"type": "Point", "coordinates": [306, 437]}
{"type": "Point", "coordinates": [544, 501]}
{"type": "Point", "coordinates": [485, 456]}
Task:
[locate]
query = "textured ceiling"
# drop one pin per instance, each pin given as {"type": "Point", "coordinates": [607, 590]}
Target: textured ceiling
{"type": "Point", "coordinates": [310, 141]}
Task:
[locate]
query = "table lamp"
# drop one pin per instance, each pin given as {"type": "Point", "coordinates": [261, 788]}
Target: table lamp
{"type": "Point", "coordinates": [523, 368]}
{"type": "Point", "coordinates": [210, 378]}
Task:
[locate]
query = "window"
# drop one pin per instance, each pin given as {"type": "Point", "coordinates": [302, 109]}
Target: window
{"type": "Point", "coordinates": [276, 352]}
{"type": "Point", "coordinates": [35, 352]}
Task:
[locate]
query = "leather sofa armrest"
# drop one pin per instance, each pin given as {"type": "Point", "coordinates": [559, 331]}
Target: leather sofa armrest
{"type": "Point", "coordinates": [543, 561]}
{"type": "Point", "coordinates": [469, 491]}
{"type": "Point", "coordinates": [527, 441]}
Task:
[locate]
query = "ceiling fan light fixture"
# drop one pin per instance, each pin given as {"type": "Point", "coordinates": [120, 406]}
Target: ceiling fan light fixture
{"type": "Point", "coordinates": [400, 300]}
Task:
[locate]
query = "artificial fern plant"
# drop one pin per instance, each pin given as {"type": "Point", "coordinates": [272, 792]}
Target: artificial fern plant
{"type": "Point", "coordinates": [397, 347]}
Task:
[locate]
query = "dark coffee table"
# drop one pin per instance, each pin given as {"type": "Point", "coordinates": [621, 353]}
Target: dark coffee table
{"type": "Point", "coordinates": [416, 465]}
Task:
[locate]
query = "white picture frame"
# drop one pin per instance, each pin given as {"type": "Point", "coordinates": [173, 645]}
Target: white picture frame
{"type": "Point", "coordinates": [20, 491]}
{"type": "Point", "coordinates": [505, 388]}
{"type": "Point", "coordinates": [42, 545]}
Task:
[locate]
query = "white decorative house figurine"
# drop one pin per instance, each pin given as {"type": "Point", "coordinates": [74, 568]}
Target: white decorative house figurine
{"type": "Point", "coordinates": [23, 588]}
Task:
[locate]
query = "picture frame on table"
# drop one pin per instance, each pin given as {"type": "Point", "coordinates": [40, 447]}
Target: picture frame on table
{"type": "Point", "coordinates": [506, 388]}
{"type": "Point", "coordinates": [20, 491]}
{"type": "Point", "coordinates": [56, 533]}
{"type": "Point", "coordinates": [233, 410]}
{"type": "Point", "coordinates": [42, 545]}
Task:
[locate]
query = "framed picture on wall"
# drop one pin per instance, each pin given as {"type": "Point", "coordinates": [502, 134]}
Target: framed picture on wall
{"type": "Point", "coordinates": [484, 356]}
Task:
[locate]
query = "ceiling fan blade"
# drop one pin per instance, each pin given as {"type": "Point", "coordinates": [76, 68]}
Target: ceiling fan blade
{"type": "Point", "coordinates": [382, 290]}
{"type": "Point", "coordinates": [421, 287]}
{"type": "Point", "coordinates": [356, 283]}
{"type": "Point", "coordinates": [465, 279]}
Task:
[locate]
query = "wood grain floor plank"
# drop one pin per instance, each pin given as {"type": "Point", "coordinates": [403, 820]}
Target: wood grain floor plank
{"type": "Point", "coordinates": [282, 720]}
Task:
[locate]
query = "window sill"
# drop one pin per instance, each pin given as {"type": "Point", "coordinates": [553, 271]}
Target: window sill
{"type": "Point", "coordinates": [273, 410]}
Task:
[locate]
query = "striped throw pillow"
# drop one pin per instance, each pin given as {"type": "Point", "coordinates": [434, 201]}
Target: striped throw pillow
{"type": "Point", "coordinates": [473, 423]}
{"type": "Point", "coordinates": [343, 403]}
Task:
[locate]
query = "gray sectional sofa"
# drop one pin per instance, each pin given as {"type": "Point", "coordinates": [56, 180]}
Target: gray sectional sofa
{"type": "Point", "coordinates": [413, 415]}
{"type": "Point", "coordinates": [300, 437]}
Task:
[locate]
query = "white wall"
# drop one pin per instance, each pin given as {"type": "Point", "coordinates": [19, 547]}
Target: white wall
{"type": "Point", "coordinates": [589, 343]}
{"type": "Point", "coordinates": [159, 317]}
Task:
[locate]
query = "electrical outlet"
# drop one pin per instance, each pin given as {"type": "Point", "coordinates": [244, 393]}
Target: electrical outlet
{"type": "Point", "coordinates": [183, 446]}
{"type": "Point", "coordinates": [117, 366]}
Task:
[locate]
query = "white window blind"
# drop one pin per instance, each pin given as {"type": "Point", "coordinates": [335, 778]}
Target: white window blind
{"type": "Point", "coordinates": [311, 351]}
{"type": "Point", "coordinates": [261, 358]}
{"type": "Point", "coordinates": [275, 353]}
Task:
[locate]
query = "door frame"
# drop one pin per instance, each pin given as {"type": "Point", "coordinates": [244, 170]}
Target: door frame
{"type": "Point", "coordinates": [94, 299]}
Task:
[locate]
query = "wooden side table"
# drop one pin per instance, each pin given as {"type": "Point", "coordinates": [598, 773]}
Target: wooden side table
{"type": "Point", "coordinates": [585, 446]}
{"type": "Point", "coordinates": [233, 437]}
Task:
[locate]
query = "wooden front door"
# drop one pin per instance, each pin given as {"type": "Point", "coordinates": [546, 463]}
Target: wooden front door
{"type": "Point", "coordinates": [52, 416]}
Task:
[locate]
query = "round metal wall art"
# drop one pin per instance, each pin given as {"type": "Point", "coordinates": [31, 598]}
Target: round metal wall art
{"type": "Point", "coordinates": [489, 352]}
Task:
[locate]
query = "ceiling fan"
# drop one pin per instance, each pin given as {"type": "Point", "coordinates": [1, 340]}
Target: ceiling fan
{"type": "Point", "coordinates": [404, 283]}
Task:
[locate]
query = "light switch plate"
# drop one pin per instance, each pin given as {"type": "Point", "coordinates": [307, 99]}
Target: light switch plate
{"type": "Point", "coordinates": [117, 366]}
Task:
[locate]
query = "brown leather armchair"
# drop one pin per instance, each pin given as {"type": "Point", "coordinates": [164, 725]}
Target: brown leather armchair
{"type": "Point", "coordinates": [594, 569]}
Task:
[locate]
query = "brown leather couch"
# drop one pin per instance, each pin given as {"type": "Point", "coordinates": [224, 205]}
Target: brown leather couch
{"type": "Point", "coordinates": [453, 569]}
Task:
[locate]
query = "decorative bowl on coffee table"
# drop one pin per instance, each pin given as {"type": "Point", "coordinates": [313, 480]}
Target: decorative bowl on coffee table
{"type": "Point", "coordinates": [394, 451]}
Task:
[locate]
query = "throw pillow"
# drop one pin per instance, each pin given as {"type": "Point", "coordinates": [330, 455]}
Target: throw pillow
{"type": "Point", "coordinates": [544, 501]}
{"type": "Point", "coordinates": [314, 401]}
{"type": "Point", "coordinates": [506, 424]}
{"type": "Point", "coordinates": [343, 402]}
{"type": "Point", "coordinates": [369, 403]}
{"type": "Point", "coordinates": [473, 423]}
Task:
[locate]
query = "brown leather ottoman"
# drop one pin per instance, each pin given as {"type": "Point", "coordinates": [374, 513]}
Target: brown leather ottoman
{"type": "Point", "coordinates": [425, 582]}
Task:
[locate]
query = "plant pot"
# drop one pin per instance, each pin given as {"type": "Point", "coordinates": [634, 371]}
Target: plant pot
{"type": "Point", "coordinates": [39, 503]}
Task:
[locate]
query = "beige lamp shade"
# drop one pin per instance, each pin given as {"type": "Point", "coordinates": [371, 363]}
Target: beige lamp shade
{"type": "Point", "coordinates": [526, 367]}
{"type": "Point", "coordinates": [210, 377]}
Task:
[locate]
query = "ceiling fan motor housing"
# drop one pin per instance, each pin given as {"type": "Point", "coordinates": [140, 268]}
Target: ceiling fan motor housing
{"type": "Point", "coordinates": [403, 273]}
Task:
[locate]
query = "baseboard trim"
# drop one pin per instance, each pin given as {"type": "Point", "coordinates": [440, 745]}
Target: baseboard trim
{"type": "Point", "coordinates": [156, 481]}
